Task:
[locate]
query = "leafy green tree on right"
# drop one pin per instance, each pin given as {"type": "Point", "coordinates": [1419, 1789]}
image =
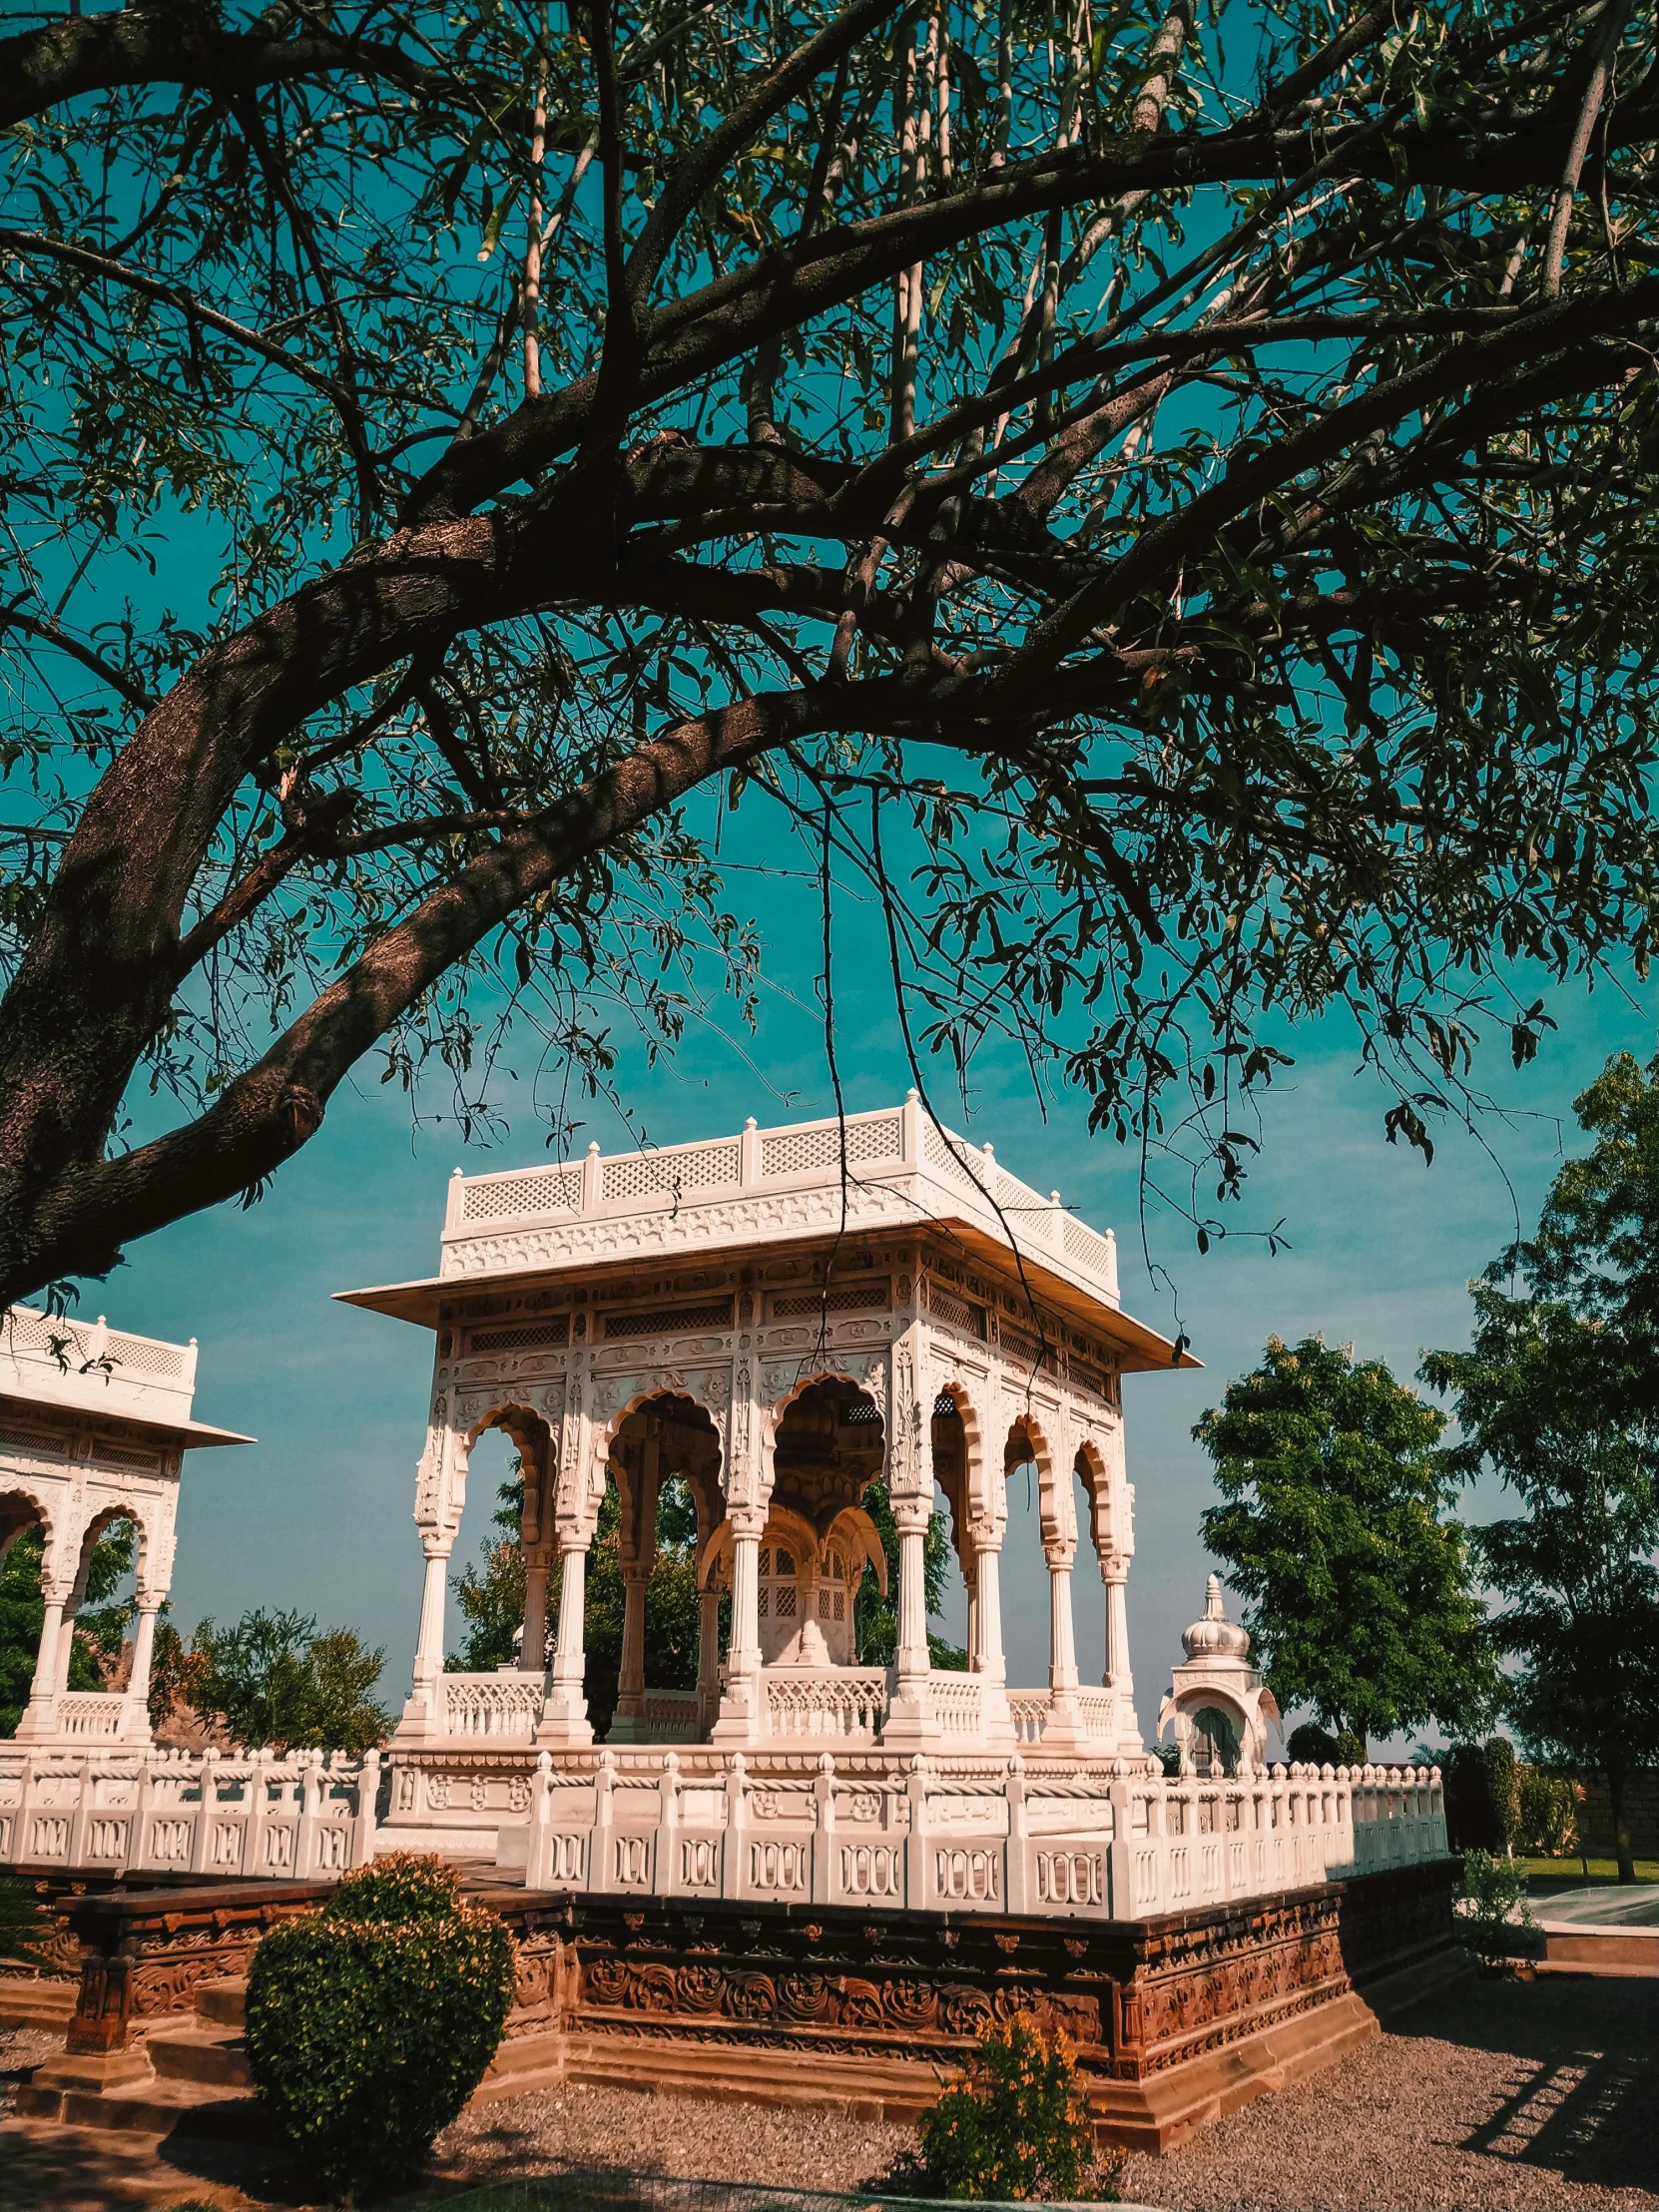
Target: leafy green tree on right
{"type": "Point", "coordinates": [1337, 1528]}
{"type": "Point", "coordinates": [1559, 1395]}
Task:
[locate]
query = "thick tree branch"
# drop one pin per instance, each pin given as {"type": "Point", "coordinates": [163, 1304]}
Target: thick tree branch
{"type": "Point", "coordinates": [182, 46]}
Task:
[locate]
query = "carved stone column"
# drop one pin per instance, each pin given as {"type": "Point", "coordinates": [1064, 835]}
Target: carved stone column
{"type": "Point", "coordinates": [532, 1649]}
{"type": "Point", "coordinates": [639, 1558]}
{"type": "Point", "coordinates": [39, 1718]}
{"type": "Point", "coordinates": [1114, 1569]}
{"type": "Point", "coordinates": [741, 1707]}
{"type": "Point", "coordinates": [708, 1659]}
{"type": "Point", "coordinates": [1063, 1641]}
{"type": "Point", "coordinates": [564, 1714]}
{"type": "Point", "coordinates": [136, 1721]}
{"type": "Point", "coordinates": [909, 1714]}
{"type": "Point", "coordinates": [630, 1702]}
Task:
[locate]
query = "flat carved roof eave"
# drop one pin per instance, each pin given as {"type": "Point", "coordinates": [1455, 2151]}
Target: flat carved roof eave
{"type": "Point", "coordinates": [1140, 1350]}
{"type": "Point", "coordinates": [190, 1433]}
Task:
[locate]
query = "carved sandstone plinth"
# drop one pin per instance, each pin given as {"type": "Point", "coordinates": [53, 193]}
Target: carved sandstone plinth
{"type": "Point", "coordinates": [1176, 2017]}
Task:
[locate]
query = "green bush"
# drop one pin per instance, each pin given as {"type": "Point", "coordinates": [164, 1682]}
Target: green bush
{"type": "Point", "coordinates": [1015, 2126]}
{"type": "Point", "coordinates": [1493, 1917]}
{"type": "Point", "coordinates": [1482, 1808]}
{"type": "Point", "coordinates": [1548, 1826]}
{"type": "Point", "coordinates": [371, 2023]}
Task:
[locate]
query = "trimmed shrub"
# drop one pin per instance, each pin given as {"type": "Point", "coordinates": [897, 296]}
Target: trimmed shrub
{"type": "Point", "coordinates": [371, 2023]}
{"type": "Point", "coordinates": [1493, 1918]}
{"type": "Point", "coordinates": [1015, 2126]}
{"type": "Point", "coordinates": [1482, 1807]}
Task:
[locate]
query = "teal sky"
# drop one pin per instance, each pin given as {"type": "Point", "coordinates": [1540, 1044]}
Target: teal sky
{"type": "Point", "coordinates": [318, 1514]}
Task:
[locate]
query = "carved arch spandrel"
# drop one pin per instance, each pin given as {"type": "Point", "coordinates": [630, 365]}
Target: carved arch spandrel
{"type": "Point", "coordinates": [24, 1505]}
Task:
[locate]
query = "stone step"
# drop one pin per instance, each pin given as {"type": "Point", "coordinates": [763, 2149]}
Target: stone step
{"type": "Point", "coordinates": [150, 2108]}
{"type": "Point", "coordinates": [222, 2001]}
{"type": "Point", "coordinates": [198, 2052]}
{"type": "Point", "coordinates": [27, 2002]}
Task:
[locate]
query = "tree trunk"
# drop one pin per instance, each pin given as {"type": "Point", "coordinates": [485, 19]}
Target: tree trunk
{"type": "Point", "coordinates": [1616, 1777]}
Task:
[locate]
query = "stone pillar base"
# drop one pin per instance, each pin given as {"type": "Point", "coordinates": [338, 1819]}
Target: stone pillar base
{"type": "Point", "coordinates": [741, 1711]}
{"type": "Point", "coordinates": [909, 1724]}
{"type": "Point", "coordinates": [564, 1723]}
{"type": "Point", "coordinates": [39, 1722]}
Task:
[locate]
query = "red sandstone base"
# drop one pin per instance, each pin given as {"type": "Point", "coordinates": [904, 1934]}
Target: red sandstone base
{"type": "Point", "coordinates": [1176, 2020]}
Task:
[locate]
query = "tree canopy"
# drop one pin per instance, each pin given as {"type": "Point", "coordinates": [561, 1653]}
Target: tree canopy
{"type": "Point", "coordinates": [1172, 513]}
{"type": "Point", "coordinates": [1556, 1395]}
{"type": "Point", "coordinates": [1335, 1526]}
{"type": "Point", "coordinates": [272, 1678]}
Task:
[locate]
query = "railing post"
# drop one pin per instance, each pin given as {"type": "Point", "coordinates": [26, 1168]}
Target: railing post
{"type": "Point", "coordinates": [259, 1815]}
{"type": "Point", "coordinates": [364, 1823]}
{"type": "Point", "coordinates": [201, 1842]}
{"type": "Point", "coordinates": [310, 1795]}
{"type": "Point", "coordinates": [822, 1889]}
{"type": "Point", "coordinates": [749, 1153]}
{"type": "Point", "coordinates": [1015, 1886]}
{"type": "Point", "coordinates": [538, 1854]}
{"type": "Point", "coordinates": [604, 1786]}
{"type": "Point", "coordinates": [1120, 1862]}
{"type": "Point", "coordinates": [77, 1852]}
{"type": "Point", "coordinates": [593, 1180]}
{"type": "Point", "coordinates": [732, 1843]}
{"type": "Point", "coordinates": [668, 1824]}
{"type": "Point", "coordinates": [144, 1798]}
{"type": "Point", "coordinates": [915, 1843]}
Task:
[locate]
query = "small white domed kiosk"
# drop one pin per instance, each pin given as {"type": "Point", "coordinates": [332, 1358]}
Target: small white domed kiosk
{"type": "Point", "coordinates": [1217, 1705]}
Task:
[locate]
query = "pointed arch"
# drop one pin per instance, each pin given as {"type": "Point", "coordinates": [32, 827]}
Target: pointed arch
{"type": "Point", "coordinates": [1028, 1443]}
{"type": "Point", "coordinates": [23, 1506]}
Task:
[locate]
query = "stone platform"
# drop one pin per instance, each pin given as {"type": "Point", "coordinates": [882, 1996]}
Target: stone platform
{"type": "Point", "coordinates": [1175, 2018]}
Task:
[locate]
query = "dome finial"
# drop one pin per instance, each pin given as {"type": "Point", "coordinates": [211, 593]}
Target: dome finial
{"type": "Point", "coordinates": [1215, 1636]}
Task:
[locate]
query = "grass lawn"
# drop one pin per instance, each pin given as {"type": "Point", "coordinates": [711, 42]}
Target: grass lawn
{"type": "Point", "coordinates": [1547, 1875]}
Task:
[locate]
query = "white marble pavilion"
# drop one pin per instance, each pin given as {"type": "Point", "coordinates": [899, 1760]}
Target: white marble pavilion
{"type": "Point", "coordinates": [94, 1427]}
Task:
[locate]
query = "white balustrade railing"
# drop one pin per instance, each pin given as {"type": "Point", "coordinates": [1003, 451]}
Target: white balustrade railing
{"type": "Point", "coordinates": [1119, 1844]}
{"type": "Point", "coordinates": [503, 1707]}
{"type": "Point", "coordinates": [895, 1146]}
{"type": "Point", "coordinates": [1028, 1710]}
{"type": "Point", "coordinates": [90, 1716]}
{"type": "Point", "coordinates": [955, 1699]}
{"type": "Point", "coordinates": [302, 1816]}
{"type": "Point", "coordinates": [828, 1704]}
{"type": "Point", "coordinates": [671, 1716]}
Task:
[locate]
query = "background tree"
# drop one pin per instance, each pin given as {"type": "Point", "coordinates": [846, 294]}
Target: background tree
{"type": "Point", "coordinates": [876, 1616]}
{"type": "Point", "coordinates": [1179, 530]}
{"type": "Point", "coordinates": [491, 1599]}
{"type": "Point", "coordinates": [272, 1678]}
{"type": "Point", "coordinates": [1359, 1589]}
{"type": "Point", "coordinates": [1558, 1396]}
{"type": "Point", "coordinates": [99, 1626]}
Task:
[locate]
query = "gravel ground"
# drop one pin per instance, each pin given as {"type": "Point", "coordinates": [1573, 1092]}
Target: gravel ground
{"type": "Point", "coordinates": [1494, 2096]}
{"type": "Point", "coordinates": [21, 2048]}
{"type": "Point", "coordinates": [1537, 2096]}
{"type": "Point", "coordinates": [588, 2127]}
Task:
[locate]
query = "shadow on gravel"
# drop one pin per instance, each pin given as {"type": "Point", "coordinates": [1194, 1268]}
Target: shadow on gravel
{"type": "Point", "coordinates": [1585, 2085]}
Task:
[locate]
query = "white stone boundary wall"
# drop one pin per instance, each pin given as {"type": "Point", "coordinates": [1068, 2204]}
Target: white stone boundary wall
{"type": "Point", "coordinates": [932, 1837]}
{"type": "Point", "coordinates": [305, 1816]}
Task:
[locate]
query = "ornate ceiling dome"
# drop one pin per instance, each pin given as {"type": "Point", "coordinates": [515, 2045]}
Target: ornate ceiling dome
{"type": "Point", "coordinates": [1215, 1636]}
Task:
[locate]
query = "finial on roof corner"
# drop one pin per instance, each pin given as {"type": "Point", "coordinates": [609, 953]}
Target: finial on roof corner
{"type": "Point", "coordinates": [913, 1096]}
{"type": "Point", "coordinates": [593, 1149]}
